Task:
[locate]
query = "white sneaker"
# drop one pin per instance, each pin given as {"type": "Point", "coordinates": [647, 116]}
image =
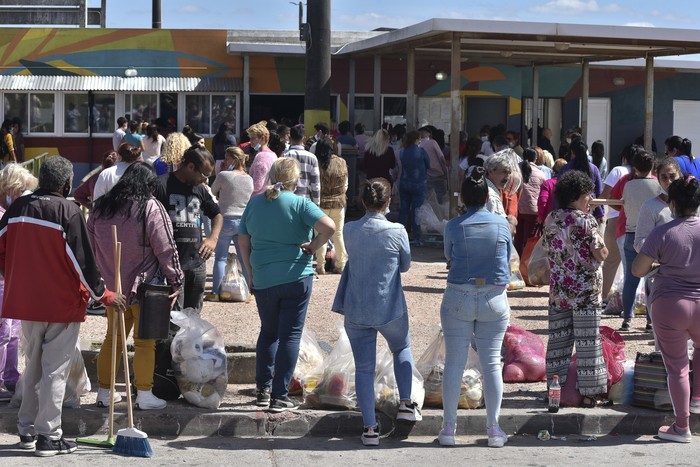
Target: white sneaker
{"type": "Point", "coordinates": [447, 436]}
{"type": "Point", "coordinates": [370, 436]}
{"type": "Point", "coordinates": [694, 406]}
{"type": "Point", "coordinates": [103, 397]}
{"type": "Point", "coordinates": [497, 437]}
{"type": "Point", "coordinates": [409, 413]}
{"type": "Point", "coordinates": [145, 400]}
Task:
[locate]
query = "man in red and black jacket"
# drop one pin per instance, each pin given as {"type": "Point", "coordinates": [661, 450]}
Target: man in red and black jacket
{"type": "Point", "coordinates": [50, 272]}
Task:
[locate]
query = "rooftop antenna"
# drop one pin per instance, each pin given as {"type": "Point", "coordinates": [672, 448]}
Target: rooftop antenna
{"type": "Point", "coordinates": [303, 27]}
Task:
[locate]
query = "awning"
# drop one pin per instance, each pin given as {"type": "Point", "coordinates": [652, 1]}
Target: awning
{"type": "Point", "coordinates": [118, 84]}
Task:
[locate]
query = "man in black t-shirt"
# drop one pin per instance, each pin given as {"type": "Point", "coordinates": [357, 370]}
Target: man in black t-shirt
{"type": "Point", "coordinates": [186, 199]}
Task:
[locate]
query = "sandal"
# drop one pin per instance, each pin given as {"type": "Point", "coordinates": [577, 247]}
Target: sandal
{"type": "Point", "coordinates": [591, 402]}
{"type": "Point", "coordinates": [672, 433]}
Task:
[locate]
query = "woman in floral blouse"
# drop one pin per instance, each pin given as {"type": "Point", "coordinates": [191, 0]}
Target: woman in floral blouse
{"type": "Point", "coordinates": [576, 250]}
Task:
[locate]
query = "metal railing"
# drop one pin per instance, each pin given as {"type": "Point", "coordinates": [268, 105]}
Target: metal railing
{"type": "Point", "coordinates": [34, 164]}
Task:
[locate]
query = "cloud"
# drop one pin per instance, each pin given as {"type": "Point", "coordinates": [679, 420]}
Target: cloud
{"type": "Point", "coordinates": [192, 10]}
{"type": "Point", "coordinates": [641, 24]}
{"type": "Point", "coordinates": [370, 21]}
{"type": "Point", "coordinates": [574, 7]}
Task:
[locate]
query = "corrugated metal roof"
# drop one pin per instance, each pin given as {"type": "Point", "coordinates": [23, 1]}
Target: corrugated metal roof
{"type": "Point", "coordinates": [118, 83]}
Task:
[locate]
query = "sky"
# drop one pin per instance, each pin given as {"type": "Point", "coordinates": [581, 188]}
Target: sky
{"type": "Point", "coordinates": [365, 15]}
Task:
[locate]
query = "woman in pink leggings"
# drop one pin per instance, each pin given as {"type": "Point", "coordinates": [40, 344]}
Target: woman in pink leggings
{"type": "Point", "coordinates": [674, 248]}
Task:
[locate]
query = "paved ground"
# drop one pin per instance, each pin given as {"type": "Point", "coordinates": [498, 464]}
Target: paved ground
{"type": "Point", "coordinates": [348, 451]}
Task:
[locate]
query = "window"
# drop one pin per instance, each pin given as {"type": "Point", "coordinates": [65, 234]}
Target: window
{"type": "Point", "coordinates": [198, 113]}
{"type": "Point", "coordinates": [103, 120]}
{"type": "Point", "coordinates": [166, 117]}
{"type": "Point", "coordinates": [41, 113]}
{"type": "Point", "coordinates": [364, 111]}
{"type": "Point", "coordinates": [16, 107]}
{"type": "Point", "coordinates": [223, 109]}
{"type": "Point", "coordinates": [394, 110]}
{"type": "Point", "coordinates": [75, 113]}
{"type": "Point", "coordinates": [142, 107]}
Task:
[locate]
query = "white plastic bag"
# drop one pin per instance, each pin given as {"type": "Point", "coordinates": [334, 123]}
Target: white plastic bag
{"type": "Point", "coordinates": [199, 359]}
{"type": "Point", "coordinates": [233, 287]}
{"type": "Point", "coordinates": [428, 220]}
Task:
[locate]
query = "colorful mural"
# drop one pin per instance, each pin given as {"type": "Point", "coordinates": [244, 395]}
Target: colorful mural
{"type": "Point", "coordinates": [107, 52]}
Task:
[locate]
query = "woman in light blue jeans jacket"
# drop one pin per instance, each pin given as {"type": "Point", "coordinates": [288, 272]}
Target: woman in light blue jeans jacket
{"type": "Point", "coordinates": [371, 298]}
{"type": "Point", "coordinates": [475, 305]}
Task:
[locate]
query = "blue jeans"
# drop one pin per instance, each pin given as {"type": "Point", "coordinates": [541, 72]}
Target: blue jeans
{"type": "Point", "coordinates": [363, 340]}
{"type": "Point", "coordinates": [229, 232]}
{"type": "Point", "coordinates": [631, 282]}
{"type": "Point", "coordinates": [412, 196]}
{"type": "Point", "coordinates": [479, 312]}
{"type": "Point", "coordinates": [282, 311]}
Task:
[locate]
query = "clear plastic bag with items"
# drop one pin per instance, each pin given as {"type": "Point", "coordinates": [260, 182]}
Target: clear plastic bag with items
{"type": "Point", "coordinates": [386, 392]}
{"type": "Point", "coordinates": [431, 367]}
{"type": "Point", "coordinates": [333, 384]}
{"type": "Point", "coordinates": [309, 361]}
{"type": "Point", "coordinates": [199, 359]}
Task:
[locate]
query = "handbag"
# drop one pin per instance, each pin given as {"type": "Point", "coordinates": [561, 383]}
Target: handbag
{"type": "Point", "coordinates": [154, 303]}
{"type": "Point", "coordinates": [651, 382]}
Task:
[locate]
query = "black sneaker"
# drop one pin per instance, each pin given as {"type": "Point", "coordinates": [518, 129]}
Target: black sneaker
{"type": "Point", "coordinates": [649, 327]}
{"type": "Point", "coordinates": [95, 309]}
{"type": "Point", "coordinates": [262, 397]}
{"type": "Point", "coordinates": [27, 442]}
{"type": "Point", "coordinates": [47, 448]}
{"type": "Point", "coordinates": [625, 325]}
{"type": "Point", "coordinates": [282, 404]}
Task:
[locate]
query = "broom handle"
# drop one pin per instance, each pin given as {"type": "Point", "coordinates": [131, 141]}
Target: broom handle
{"type": "Point", "coordinates": [122, 325]}
{"type": "Point", "coordinates": [115, 323]}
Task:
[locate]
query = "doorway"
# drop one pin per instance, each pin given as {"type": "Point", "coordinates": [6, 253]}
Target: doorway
{"type": "Point", "coordinates": [482, 111]}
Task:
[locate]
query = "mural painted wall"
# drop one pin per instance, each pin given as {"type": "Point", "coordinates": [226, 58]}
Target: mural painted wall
{"type": "Point", "coordinates": [107, 52]}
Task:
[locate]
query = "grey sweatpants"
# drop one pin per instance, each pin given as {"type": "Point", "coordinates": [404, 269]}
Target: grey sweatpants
{"type": "Point", "coordinates": [50, 347]}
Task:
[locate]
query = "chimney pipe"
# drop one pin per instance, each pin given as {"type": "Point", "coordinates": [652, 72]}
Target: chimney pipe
{"type": "Point", "coordinates": [156, 14]}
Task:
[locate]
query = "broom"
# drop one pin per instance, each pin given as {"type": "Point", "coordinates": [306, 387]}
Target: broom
{"type": "Point", "coordinates": [109, 442]}
{"type": "Point", "coordinates": [130, 441]}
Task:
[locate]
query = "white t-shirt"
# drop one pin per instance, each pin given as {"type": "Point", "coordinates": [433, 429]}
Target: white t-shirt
{"type": "Point", "coordinates": [117, 138]}
{"type": "Point", "coordinates": [152, 148]}
{"type": "Point", "coordinates": [611, 180]}
{"type": "Point", "coordinates": [108, 178]}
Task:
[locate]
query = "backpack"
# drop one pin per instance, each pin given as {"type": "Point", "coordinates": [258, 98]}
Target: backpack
{"type": "Point", "coordinates": [164, 382]}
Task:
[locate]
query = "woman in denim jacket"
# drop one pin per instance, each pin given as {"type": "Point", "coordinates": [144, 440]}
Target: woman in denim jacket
{"type": "Point", "coordinates": [371, 298]}
{"type": "Point", "coordinates": [475, 306]}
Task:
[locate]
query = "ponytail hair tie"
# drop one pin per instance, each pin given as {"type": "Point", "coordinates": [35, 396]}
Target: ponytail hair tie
{"type": "Point", "coordinates": [278, 186]}
{"type": "Point", "coordinates": [690, 177]}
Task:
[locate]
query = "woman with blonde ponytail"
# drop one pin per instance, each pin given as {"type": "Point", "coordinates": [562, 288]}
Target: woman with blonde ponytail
{"type": "Point", "coordinates": [274, 236]}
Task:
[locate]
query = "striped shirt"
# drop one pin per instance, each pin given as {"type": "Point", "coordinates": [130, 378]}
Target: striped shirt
{"type": "Point", "coordinates": [309, 185]}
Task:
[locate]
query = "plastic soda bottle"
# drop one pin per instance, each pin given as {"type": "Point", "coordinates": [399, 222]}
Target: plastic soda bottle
{"type": "Point", "coordinates": [554, 395]}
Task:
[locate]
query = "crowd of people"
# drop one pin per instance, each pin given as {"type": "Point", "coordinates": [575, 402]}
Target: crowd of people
{"type": "Point", "coordinates": [281, 200]}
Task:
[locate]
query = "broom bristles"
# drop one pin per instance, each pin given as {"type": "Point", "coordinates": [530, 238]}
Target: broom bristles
{"type": "Point", "coordinates": [132, 442]}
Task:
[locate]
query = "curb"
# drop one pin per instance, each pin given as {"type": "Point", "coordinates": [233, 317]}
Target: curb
{"type": "Point", "coordinates": [180, 419]}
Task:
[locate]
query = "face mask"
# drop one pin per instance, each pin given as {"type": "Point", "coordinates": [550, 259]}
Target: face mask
{"type": "Point", "coordinates": [568, 140]}
{"type": "Point", "coordinates": [257, 147]}
{"type": "Point", "coordinates": [8, 200]}
{"type": "Point", "coordinates": [66, 191]}
{"type": "Point", "coordinates": [484, 139]}
{"type": "Point", "coordinates": [386, 211]}
{"type": "Point", "coordinates": [230, 167]}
